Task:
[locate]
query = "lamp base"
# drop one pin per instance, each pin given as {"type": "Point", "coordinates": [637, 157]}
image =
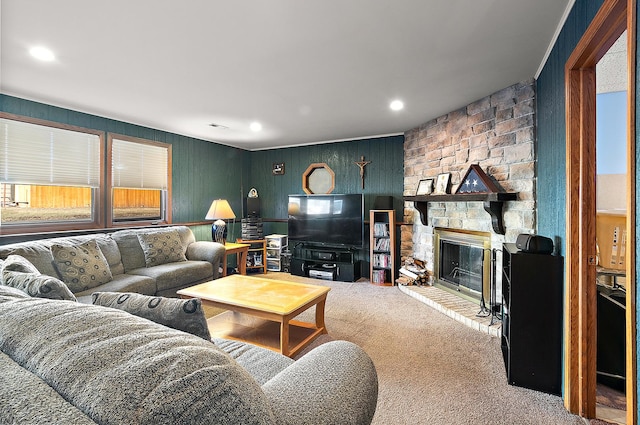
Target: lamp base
{"type": "Point", "coordinates": [219, 231]}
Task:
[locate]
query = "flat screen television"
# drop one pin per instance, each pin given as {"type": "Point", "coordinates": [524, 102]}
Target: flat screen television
{"type": "Point", "coordinates": [332, 220]}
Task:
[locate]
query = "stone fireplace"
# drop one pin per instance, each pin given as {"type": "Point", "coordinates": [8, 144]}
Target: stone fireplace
{"type": "Point", "coordinates": [496, 132]}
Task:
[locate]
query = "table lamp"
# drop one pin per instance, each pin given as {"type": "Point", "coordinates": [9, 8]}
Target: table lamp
{"type": "Point", "coordinates": [219, 211]}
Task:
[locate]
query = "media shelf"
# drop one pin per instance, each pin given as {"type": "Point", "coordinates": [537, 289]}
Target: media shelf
{"type": "Point", "coordinates": [257, 255]}
{"type": "Point", "coordinates": [325, 263]}
{"type": "Point", "coordinates": [382, 245]}
{"type": "Point", "coordinates": [532, 319]}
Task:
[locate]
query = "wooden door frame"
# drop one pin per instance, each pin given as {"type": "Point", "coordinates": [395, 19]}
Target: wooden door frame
{"type": "Point", "coordinates": [580, 290]}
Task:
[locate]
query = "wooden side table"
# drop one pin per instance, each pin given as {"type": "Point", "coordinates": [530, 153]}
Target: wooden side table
{"type": "Point", "coordinates": [241, 250]}
{"type": "Point", "coordinates": [257, 256]}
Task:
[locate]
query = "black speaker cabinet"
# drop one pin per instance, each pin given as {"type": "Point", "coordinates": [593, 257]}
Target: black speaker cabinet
{"type": "Point", "coordinates": [532, 319]}
{"type": "Point", "coordinates": [253, 207]}
{"type": "Point", "coordinates": [346, 272]}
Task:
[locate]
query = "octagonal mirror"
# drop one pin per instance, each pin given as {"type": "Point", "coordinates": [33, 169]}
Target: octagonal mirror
{"type": "Point", "coordinates": [318, 178]}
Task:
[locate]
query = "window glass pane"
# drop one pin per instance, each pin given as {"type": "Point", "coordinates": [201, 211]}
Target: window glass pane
{"type": "Point", "coordinates": [39, 154]}
{"type": "Point", "coordinates": [139, 165]}
{"type": "Point", "coordinates": [44, 204]}
{"type": "Point", "coordinates": [137, 204]}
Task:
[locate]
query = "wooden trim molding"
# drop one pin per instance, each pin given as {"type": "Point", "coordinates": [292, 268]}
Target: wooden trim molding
{"type": "Point", "coordinates": [632, 290]}
{"type": "Point", "coordinates": [580, 290]}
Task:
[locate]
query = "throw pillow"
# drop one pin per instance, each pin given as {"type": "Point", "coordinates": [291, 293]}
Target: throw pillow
{"type": "Point", "coordinates": [184, 315]}
{"type": "Point", "coordinates": [18, 263]}
{"type": "Point", "coordinates": [19, 273]}
{"type": "Point", "coordinates": [38, 285]}
{"type": "Point", "coordinates": [81, 267]}
{"type": "Point", "coordinates": [161, 247]}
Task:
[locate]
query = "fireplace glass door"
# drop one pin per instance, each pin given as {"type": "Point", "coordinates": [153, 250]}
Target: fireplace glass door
{"type": "Point", "coordinates": [462, 265]}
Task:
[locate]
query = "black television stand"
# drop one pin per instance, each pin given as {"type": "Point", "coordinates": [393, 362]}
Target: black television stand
{"type": "Point", "coordinates": [325, 263]}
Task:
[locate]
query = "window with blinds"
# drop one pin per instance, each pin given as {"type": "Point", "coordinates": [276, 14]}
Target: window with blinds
{"type": "Point", "coordinates": [139, 179]}
{"type": "Point", "coordinates": [48, 173]}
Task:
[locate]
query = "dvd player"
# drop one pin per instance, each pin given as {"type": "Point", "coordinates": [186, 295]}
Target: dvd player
{"type": "Point", "coordinates": [321, 274]}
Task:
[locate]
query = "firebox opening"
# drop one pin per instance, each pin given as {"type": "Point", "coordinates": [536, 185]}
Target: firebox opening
{"type": "Point", "coordinates": [462, 263]}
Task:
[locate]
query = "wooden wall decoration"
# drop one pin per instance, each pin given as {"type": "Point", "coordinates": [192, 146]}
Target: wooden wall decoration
{"type": "Point", "coordinates": [318, 178]}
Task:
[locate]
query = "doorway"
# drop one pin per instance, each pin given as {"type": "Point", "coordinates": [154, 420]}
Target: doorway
{"type": "Point", "coordinates": [614, 17]}
{"type": "Point", "coordinates": [611, 215]}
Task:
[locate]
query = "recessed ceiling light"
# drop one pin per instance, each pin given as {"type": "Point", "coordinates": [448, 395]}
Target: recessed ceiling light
{"type": "Point", "coordinates": [42, 53]}
{"type": "Point", "coordinates": [396, 105]}
{"type": "Point", "coordinates": [255, 126]}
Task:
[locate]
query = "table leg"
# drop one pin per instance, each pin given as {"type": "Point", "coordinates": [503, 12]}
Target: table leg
{"type": "Point", "coordinates": [284, 337]}
{"type": "Point", "coordinates": [320, 315]}
{"type": "Point", "coordinates": [242, 261]}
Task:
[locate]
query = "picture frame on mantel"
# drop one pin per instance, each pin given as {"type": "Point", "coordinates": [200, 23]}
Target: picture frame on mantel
{"type": "Point", "coordinates": [425, 187]}
{"type": "Point", "coordinates": [442, 184]}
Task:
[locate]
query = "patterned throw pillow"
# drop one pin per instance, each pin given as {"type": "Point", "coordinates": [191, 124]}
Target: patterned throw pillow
{"type": "Point", "coordinates": [19, 273]}
{"type": "Point", "coordinates": [81, 266]}
{"type": "Point", "coordinates": [162, 247]}
{"type": "Point", "coordinates": [184, 315]}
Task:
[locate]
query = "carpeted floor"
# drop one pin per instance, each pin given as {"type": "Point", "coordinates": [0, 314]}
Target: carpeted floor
{"type": "Point", "coordinates": [431, 369]}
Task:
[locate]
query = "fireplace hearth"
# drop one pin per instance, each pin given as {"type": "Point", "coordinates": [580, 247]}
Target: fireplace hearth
{"type": "Point", "coordinates": [462, 263]}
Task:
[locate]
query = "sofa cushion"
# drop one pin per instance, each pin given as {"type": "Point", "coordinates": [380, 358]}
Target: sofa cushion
{"type": "Point", "coordinates": [174, 275]}
{"type": "Point", "coordinates": [119, 368]}
{"type": "Point", "coordinates": [162, 247]}
{"type": "Point", "coordinates": [184, 315]}
{"type": "Point", "coordinates": [111, 253]}
{"type": "Point", "coordinates": [19, 273]}
{"type": "Point", "coordinates": [10, 291]}
{"type": "Point", "coordinates": [261, 363]}
{"type": "Point", "coordinates": [28, 400]}
{"type": "Point", "coordinates": [121, 283]}
{"type": "Point", "coordinates": [130, 249]}
{"type": "Point", "coordinates": [81, 266]}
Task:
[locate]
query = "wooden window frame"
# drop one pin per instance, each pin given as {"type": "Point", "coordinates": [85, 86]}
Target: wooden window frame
{"type": "Point", "coordinates": [97, 204]}
{"type": "Point", "coordinates": [167, 219]}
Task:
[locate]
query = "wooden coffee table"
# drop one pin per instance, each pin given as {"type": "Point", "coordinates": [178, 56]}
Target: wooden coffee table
{"type": "Point", "coordinates": [261, 311]}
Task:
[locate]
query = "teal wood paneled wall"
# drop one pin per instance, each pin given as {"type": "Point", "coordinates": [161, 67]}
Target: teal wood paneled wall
{"type": "Point", "coordinates": [202, 171]}
{"type": "Point", "coordinates": [551, 129]}
{"type": "Point", "coordinates": [383, 176]}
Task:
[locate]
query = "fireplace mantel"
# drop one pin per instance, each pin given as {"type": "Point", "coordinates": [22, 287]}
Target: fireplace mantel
{"type": "Point", "coordinates": [492, 204]}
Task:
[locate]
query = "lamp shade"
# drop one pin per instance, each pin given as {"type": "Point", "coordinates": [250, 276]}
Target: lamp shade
{"type": "Point", "coordinates": [220, 209]}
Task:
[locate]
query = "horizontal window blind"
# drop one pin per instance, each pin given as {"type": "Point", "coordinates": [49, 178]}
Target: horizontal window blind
{"type": "Point", "coordinates": [139, 165]}
{"type": "Point", "coordinates": [40, 155]}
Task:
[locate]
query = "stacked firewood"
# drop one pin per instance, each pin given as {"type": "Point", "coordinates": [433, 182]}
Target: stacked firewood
{"type": "Point", "coordinates": [413, 273]}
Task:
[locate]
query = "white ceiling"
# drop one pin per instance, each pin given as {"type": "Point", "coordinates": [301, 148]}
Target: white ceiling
{"type": "Point", "coordinates": [308, 70]}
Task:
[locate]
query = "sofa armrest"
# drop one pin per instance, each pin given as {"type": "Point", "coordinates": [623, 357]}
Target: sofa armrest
{"type": "Point", "coordinates": [212, 252]}
{"type": "Point", "coordinates": [335, 383]}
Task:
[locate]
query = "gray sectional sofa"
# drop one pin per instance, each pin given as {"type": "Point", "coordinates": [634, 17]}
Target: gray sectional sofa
{"type": "Point", "coordinates": [65, 362]}
{"type": "Point", "coordinates": [128, 261]}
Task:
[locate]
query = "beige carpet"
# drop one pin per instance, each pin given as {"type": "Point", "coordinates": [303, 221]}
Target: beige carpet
{"type": "Point", "coordinates": [431, 369]}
